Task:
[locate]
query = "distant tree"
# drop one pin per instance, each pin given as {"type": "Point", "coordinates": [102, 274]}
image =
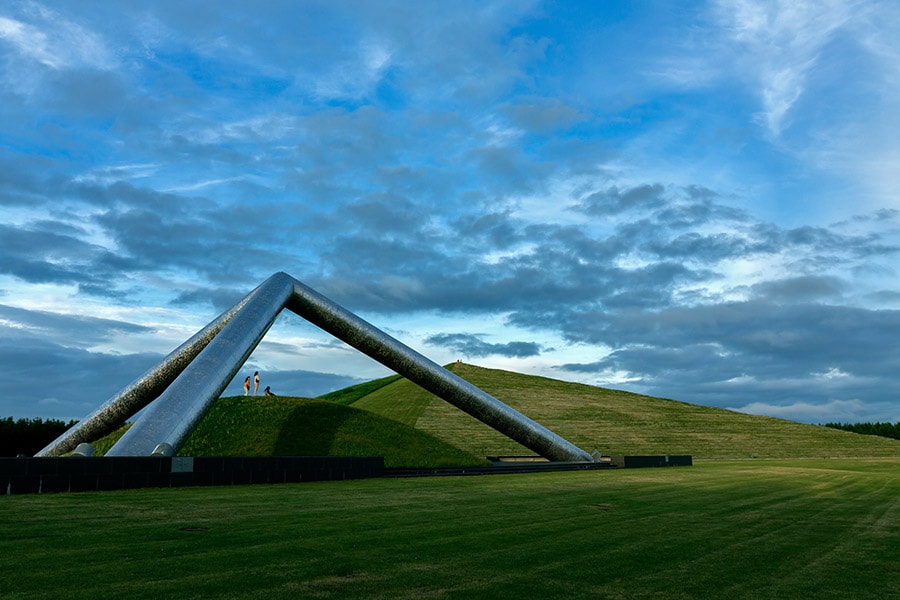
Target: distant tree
{"type": "Point", "coordinates": [888, 430]}
{"type": "Point", "coordinates": [27, 436]}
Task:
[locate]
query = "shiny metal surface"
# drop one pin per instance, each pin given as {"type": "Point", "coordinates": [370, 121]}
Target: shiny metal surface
{"type": "Point", "coordinates": [170, 418]}
{"type": "Point", "coordinates": [344, 325]}
{"type": "Point", "coordinates": [191, 389]}
{"type": "Point", "coordinates": [140, 392]}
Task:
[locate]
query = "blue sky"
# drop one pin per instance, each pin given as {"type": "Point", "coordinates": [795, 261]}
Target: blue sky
{"type": "Point", "coordinates": [694, 200]}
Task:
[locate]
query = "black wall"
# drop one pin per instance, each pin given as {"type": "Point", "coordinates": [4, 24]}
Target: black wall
{"type": "Point", "coordinates": [80, 474]}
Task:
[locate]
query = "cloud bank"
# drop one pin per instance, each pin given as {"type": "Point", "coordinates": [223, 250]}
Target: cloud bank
{"type": "Point", "coordinates": [530, 186]}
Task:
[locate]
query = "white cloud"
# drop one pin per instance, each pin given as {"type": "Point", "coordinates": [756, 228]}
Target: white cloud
{"type": "Point", "coordinates": [355, 79]}
{"type": "Point", "coordinates": [198, 185]}
{"type": "Point", "coordinates": [56, 42]}
{"type": "Point", "coordinates": [833, 411]}
{"type": "Point", "coordinates": [107, 175]}
{"type": "Point", "coordinates": [29, 41]}
{"type": "Point", "coordinates": [834, 373]}
{"type": "Point", "coordinates": [268, 128]}
{"type": "Point", "coordinates": [779, 44]}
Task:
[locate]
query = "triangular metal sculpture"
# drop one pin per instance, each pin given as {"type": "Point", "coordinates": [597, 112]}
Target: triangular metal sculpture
{"type": "Point", "coordinates": [178, 392]}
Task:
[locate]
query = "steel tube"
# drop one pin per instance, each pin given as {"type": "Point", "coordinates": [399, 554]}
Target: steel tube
{"type": "Point", "coordinates": [167, 421]}
{"type": "Point", "coordinates": [140, 392]}
{"type": "Point", "coordinates": [172, 416]}
{"type": "Point", "coordinates": [344, 325]}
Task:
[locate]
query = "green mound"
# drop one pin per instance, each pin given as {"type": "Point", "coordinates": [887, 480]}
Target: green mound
{"type": "Point", "coordinates": [285, 426]}
{"type": "Point", "coordinates": [394, 418]}
{"type": "Point", "coordinates": [349, 395]}
{"type": "Point", "coordinates": [614, 422]}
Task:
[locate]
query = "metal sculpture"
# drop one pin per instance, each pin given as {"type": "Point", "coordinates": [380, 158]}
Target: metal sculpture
{"type": "Point", "coordinates": [141, 392]}
{"type": "Point", "coordinates": [191, 389]}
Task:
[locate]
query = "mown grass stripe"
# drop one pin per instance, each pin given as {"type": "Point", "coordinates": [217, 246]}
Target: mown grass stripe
{"type": "Point", "coordinates": [752, 529]}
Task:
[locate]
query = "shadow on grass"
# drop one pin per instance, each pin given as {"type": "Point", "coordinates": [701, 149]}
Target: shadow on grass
{"type": "Point", "coordinates": [311, 429]}
{"type": "Point", "coordinates": [324, 428]}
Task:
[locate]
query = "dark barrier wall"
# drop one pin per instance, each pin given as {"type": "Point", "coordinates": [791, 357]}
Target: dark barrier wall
{"type": "Point", "coordinates": [75, 474]}
{"type": "Point", "coordinates": [81, 474]}
{"type": "Point", "coordinates": [636, 462]}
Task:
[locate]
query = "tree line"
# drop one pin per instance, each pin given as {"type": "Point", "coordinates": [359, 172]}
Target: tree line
{"type": "Point", "coordinates": [28, 436]}
{"type": "Point", "coordinates": [888, 430]}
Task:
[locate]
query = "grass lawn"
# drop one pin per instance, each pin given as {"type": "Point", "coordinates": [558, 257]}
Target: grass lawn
{"type": "Point", "coordinates": [729, 529]}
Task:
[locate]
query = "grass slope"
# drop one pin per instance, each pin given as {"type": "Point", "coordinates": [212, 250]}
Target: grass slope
{"type": "Point", "coordinates": [397, 419]}
{"type": "Point", "coordinates": [719, 529]}
{"type": "Point", "coordinates": [351, 394]}
{"type": "Point", "coordinates": [613, 422]}
{"type": "Point", "coordinates": [285, 426]}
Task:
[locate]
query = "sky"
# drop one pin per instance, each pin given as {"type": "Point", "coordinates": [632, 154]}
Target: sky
{"type": "Point", "coordinates": [692, 200]}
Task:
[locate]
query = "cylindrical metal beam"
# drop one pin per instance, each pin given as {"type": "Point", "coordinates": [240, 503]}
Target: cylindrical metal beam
{"type": "Point", "coordinates": [140, 392]}
{"type": "Point", "coordinates": [168, 421]}
{"type": "Point", "coordinates": [175, 414]}
{"type": "Point", "coordinates": [320, 311]}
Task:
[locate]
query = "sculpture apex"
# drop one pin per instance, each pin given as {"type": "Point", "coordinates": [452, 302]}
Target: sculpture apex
{"type": "Point", "coordinates": [179, 391]}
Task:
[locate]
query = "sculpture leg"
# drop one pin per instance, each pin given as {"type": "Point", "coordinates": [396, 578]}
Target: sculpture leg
{"type": "Point", "coordinates": [344, 325]}
{"type": "Point", "coordinates": [139, 393]}
{"type": "Point", "coordinates": [168, 421]}
{"type": "Point", "coordinates": [172, 416]}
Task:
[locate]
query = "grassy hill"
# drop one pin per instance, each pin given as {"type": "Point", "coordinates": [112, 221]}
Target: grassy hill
{"type": "Point", "coordinates": [397, 419]}
{"type": "Point", "coordinates": [287, 426]}
{"type": "Point", "coordinates": [614, 422]}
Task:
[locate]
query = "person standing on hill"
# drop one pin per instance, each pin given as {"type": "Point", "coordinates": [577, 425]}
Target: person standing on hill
{"type": "Point", "coordinates": [255, 382]}
{"type": "Point", "coordinates": [247, 386]}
